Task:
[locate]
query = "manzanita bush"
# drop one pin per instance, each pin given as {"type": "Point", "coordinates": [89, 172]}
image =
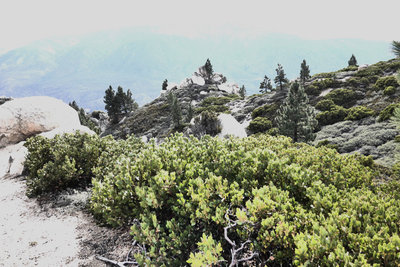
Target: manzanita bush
{"type": "Point", "coordinates": [262, 199]}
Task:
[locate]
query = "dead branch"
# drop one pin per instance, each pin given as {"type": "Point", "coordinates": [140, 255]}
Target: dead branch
{"type": "Point", "coordinates": [117, 263]}
{"type": "Point", "coordinates": [235, 252]}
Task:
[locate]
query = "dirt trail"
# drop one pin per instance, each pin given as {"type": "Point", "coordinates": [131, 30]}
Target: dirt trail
{"type": "Point", "coordinates": [52, 232]}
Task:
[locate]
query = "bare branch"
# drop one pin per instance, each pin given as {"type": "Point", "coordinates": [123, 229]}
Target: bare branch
{"type": "Point", "coordinates": [117, 263]}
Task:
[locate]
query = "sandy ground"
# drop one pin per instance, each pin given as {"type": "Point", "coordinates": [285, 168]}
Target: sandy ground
{"type": "Point", "coordinates": [56, 231]}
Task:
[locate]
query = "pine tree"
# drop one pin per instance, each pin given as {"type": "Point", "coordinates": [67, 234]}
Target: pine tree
{"type": "Point", "coordinates": [190, 113]}
{"type": "Point", "coordinates": [304, 72]}
{"type": "Point", "coordinates": [296, 118]}
{"type": "Point", "coordinates": [165, 85]}
{"type": "Point", "coordinates": [265, 85]}
{"type": "Point", "coordinates": [280, 77]}
{"type": "Point", "coordinates": [109, 100]}
{"type": "Point", "coordinates": [209, 69]}
{"type": "Point", "coordinates": [396, 48]}
{"type": "Point", "coordinates": [74, 105]}
{"type": "Point", "coordinates": [352, 61]}
{"type": "Point", "coordinates": [242, 91]}
{"type": "Point", "coordinates": [118, 103]}
{"type": "Point", "coordinates": [175, 110]}
{"type": "Point", "coordinates": [128, 103]}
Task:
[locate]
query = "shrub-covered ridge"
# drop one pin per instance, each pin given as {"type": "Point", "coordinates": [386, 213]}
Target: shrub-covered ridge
{"type": "Point", "coordinates": [289, 203]}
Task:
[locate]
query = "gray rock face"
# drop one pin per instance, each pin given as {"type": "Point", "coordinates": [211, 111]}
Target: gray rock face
{"type": "Point", "coordinates": [26, 117]}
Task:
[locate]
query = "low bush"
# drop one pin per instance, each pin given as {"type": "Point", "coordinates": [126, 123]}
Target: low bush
{"type": "Point", "coordinates": [325, 84]}
{"type": "Point", "coordinates": [342, 97]}
{"type": "Point", "coordinates": [206, 123]}
{"type": "Point", "coordinates": [216, 104]}
{"type": "Point", "coordinates": [312, 90]}
{"type": "Point", "coordinates": [265, 111]}
{"type": "Point", "coordinates": [325, 105]}
{"type": "Point", "coordinates": [294, 202]}
{"type": "Point", "coordinates": [259, 125]}
{"type": "Point", "coordinates": [335, 114]}
{"type": "Point", "coordinates": [358, 113]}
{"type": "Point", "coordinates": [327, 144]}
{"type": "Point", "coordinates": [387, 112]}
{"type": "Point", "coordinates": [390, 90]}
{"type": "Point", "coordinates": [384, 82]}
{"type": "Point", "coordinates": [64, 161]}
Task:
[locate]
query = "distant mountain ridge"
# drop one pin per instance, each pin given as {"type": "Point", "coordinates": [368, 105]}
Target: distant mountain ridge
{"type": "Point", "coordinates": [82, 68]}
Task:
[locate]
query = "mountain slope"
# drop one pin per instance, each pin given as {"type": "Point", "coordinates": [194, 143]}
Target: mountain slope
{"type": "Point", "coordinates": [82, 68]}
{"type": "Point", "coordinates": [353, 109]}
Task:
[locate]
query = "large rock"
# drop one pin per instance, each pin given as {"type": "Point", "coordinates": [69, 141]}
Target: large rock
{"type": "Point", "coordinates": [230, 126]}
{"type": "Point", "coordinates": [25, 117]}
{"type": "Point", "coordinates": [28, 116]}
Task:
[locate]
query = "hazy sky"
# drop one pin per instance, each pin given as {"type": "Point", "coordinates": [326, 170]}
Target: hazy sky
{"type": "Point", "coordinates": [24, 21]}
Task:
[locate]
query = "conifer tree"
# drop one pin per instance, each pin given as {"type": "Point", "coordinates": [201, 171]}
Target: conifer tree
{"type": "Point", "coordinates": [296, 118]}
{"type": "Point", "coordinates": [396, 48]}
{"type": "Point", "coordinates": [304, 72]}
{"type": "Point", "coordinates": [352, 61]}
{"type": "Point", "coordinates": [165, 84]}
{"type": "Point", "coordinates": [175, 110]}
{"type": "Point", "coordinates": [118, 103]}
{"type": "Point", "coordinates": [280, 77]}
{"type": "Point", "coordinates": [265, 85]}
{"type": "Point", "coordinates": [209, 69]}
{"type": "Point", "coordinates": [190, 113]}
{"type": "Point", "coordinates": [242, 91]}
{"type": "Point", "coordinates": [109, 100]}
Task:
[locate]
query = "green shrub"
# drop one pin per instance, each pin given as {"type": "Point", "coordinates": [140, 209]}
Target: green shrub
{"type": "Point", "coordinates": [325, 105]}
{"type": "Point", "coordinates": [327, 144]}
{"type": "Point", "coordinates": [397, 138]}
{"type": "Point", "coordinates": [384, 82]}
{"type": "Point", "coordinates": [342, 97]}
{"type": "Point", "coordinates": [64, 161]}
{"type": "Point", "coordinates": [265, 111]}
{"type": "Point", "coordinates": [259, 125]}
{"type": "Point", "coordinates": [206, 123]}
{"type": "Point", "coordinates": [273, 131]}
{"type": "Point", "coordinates": [349, 68]}
{"type": "Point", "coordinates": [387, 112]}
{"type": "Point", "coordinates": [358, 113]}
{"type": "Point", "coordinates": [301, 204]}
{"type": "Point", "coordinates": [390, 90]}
{"type": "Point", "coordinates": [312, 90]}
{"type": "Point", "coordinates": [325, 84]}
{"type": "Point", "coordinates": [216, 104]}
{"type": "Point", "coordinates": [336, 114]}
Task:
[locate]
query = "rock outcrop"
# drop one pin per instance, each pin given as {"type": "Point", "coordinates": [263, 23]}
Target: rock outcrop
{"type": "Point", "coordinates": [231, 127]}
{"type": "Point", "coordinates": [25, 117]}
{"type": "Point", "coordinates": [22, 118]}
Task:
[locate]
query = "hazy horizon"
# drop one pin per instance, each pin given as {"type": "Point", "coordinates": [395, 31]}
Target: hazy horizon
{"type": "Point", "coordinates": [23, 22]}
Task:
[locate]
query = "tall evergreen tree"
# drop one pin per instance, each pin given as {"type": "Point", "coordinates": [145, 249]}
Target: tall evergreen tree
{"type": "Point", "coordinates": [396, 48]}
{"type": "Point", "coordinates": [165, 84]}
{"type": "Point", "coordinates": [296, 118]}
{"type": "Point", "coordinates": [109, 100]}
{"type": "Point", "coordinates": [280, 78]}
{"type": "Point", "coordinates": [190, 113]}
{"type": "Point", "coordinates": [242, 91]}
{"type": "Point", "coordinates": [209, 69]}
{"type": "Point", "coordinates": [352, 61]}
{"type": "Point", "coordinates": [175, 109]}
{"type": "Point", "coordinates": [265, 85]}
{"type": "Point", "coordinates": [304, 72]}
{"type": "Point", "coordinates": [118, 103]}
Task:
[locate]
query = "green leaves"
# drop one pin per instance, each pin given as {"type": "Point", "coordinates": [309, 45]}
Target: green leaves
{"type": "Point", "coordinates": [64, 161]}
{"type": "Point", "coordinates": [296, 204]}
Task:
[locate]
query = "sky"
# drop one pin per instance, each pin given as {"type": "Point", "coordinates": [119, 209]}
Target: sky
{"type": "Point", "coordinates": [25, 21]}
